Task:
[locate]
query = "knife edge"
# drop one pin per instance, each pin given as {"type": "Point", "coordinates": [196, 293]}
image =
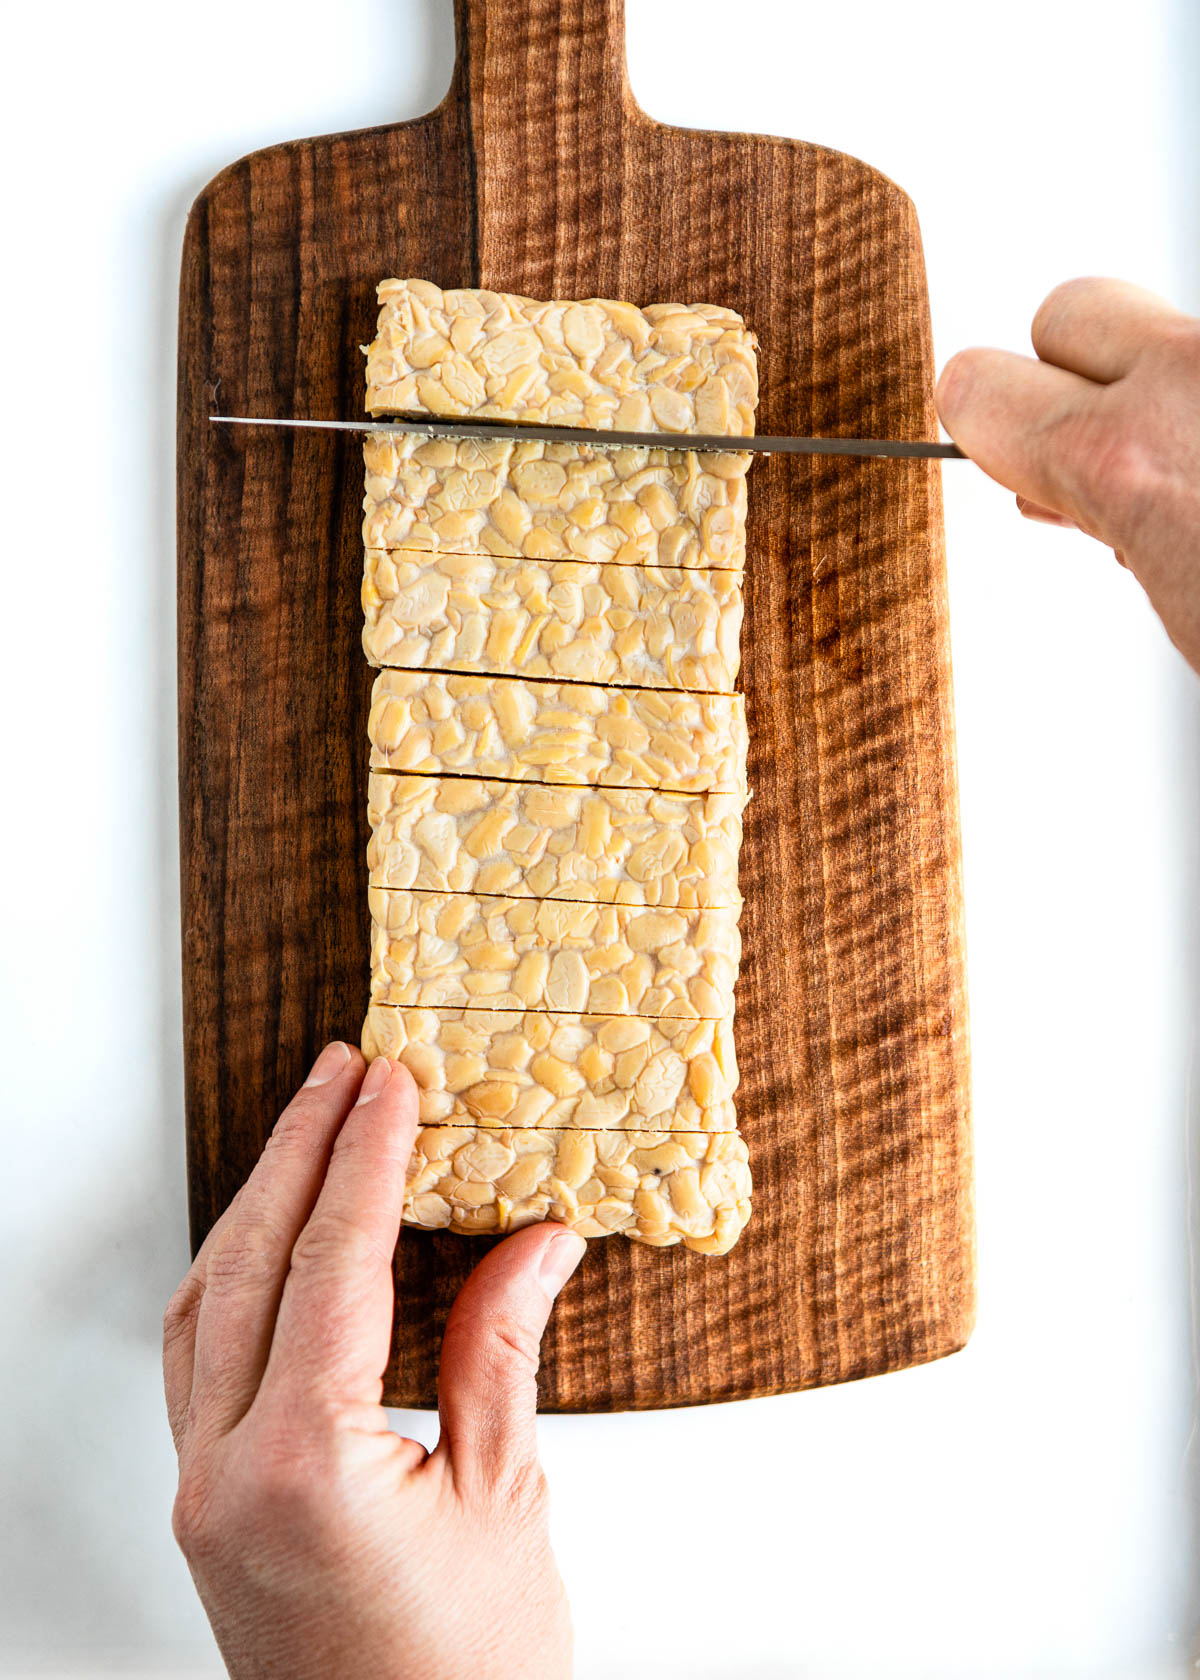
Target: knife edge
{"type": "Point", "coordinates": [503, 432]}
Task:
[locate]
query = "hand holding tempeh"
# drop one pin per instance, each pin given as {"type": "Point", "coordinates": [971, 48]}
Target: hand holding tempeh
{"type": "Point", "coordinates": [321, 1542]}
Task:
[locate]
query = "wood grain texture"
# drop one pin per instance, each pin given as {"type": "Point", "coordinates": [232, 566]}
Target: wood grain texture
{"type": "Point", "coordinates": [539, 174]}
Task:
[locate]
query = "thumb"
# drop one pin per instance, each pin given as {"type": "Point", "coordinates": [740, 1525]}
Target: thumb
{"type": "Point", "coordinates": [487, 1386]}
{"type": "Point", "coordinates": [1022, 421]}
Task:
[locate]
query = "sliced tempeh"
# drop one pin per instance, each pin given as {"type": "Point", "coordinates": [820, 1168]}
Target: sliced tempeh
{"type": "Point", "coordinates": [597, 363]}
{"type": "Point", "coordinates": [435, 949]}
{"type": "Point", "coordinates": [556, 501]}
{"type": "Point", "coordinates": [512, 729]}
{"type": "Point", "coordinates": [531, 840]}
{"type": "Point", "coordinates": [558, 764]}
{"type": "Point", "coordinates": [645, 627]}
{"type": "Point", "coordinates": [658, 1188]}
{"type": "Point", "coordinates": [494, 1067]}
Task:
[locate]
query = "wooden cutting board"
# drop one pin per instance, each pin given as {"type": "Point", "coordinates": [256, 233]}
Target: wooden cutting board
{"type": "Point", "coordinates": [539, 174]}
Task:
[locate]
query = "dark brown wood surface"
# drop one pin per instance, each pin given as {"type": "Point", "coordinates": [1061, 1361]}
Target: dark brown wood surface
{"type": "Point", "coordinates": [539, 174]}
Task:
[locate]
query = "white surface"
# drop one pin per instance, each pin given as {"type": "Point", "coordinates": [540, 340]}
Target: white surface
{"type": "Point", "coordinates": [1022, 1509]}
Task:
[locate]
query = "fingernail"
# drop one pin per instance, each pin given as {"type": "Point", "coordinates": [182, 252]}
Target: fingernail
{"type": "Point", "coordinates": [1043, 515]}
{"type": "Point", "coordinates": [559, 1260]}
{"type": "Point", "coordinates": [378, 1074]}
{"type": "Point", "coordinates": [328, 1064]}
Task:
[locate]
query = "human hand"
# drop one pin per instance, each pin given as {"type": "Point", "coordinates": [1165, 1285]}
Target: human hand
{"type": "Point", "coordinates": [321, 1543]}
{"type": "Point", "coordinates": [1102, 432]}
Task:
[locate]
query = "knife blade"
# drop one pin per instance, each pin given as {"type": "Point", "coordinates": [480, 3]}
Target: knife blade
{"type": "Point", "coordinates": [501, 431]}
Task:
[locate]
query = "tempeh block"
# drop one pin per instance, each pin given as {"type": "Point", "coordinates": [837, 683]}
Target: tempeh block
{"type": "Point", "coordinates": [559, 761]}
{"type": "Point", "coordinates": [493, 1067]}
{"type": "Point", "coordinates": [659, 1188]}
{"type": "Point", "coordinates": [556, 501]}
{"type": "Point", "coordinates": [526, 839]}
{"type": "Point", "coordinates": [628, 625]}
{"type": "Point", "coordinates": [596, 363]}
{"type": "Point", "coordinates": [508, 728]}
{"type": "Point", "coordinates": [435, 949]}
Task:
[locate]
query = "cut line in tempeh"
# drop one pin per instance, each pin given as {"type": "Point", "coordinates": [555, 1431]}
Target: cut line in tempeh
{"type": "Point", "coordinates": [530, 839]}
{"type": "Point", "coordinates": [463, 949]}
{"type": "Point", "coordinates": [525, 1068]}
{"type": "Point", "coordinates": [658, 1188]}
{"type": "Point", "coordinates": [594, 363]}
{"type": "Point", "coordinates": [575, 733]}
{"type": "Point", "coordinates": [556, 501]}
{"type": "Point", "coordinates": [643, 627]}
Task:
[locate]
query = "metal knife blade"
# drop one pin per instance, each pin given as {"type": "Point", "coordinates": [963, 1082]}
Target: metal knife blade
{"type": "Point", "coordinates": [501, 431]}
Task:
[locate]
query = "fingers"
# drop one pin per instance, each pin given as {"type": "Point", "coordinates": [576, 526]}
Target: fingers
{"type": "Point", "coordinates": [179, 1347]}
{"type": "Point", "coordinates": [234, 1287]}
{"type": "Point", "coordinates": [487, 1388]}
{"type": "Point", "coordinates": [1004, 411]}
{"type": "Point", "coordinates": [1044, 515]}
{"type": "Point", "coordinates": [334, 1328]}
{"type": "Point", "coordinates": [1099, 328]}
{"type": "Point", "coordinates": [179, 1329]}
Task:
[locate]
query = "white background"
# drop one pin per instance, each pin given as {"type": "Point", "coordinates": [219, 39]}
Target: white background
{"type": "Point", "coordinates": [1025, 1508]}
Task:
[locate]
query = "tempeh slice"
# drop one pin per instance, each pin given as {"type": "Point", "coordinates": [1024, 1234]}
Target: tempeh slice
{"type": "Point", "coordinates": [435, 949]}
{"type": "Point", "coordinates": [596, 363]}
{"type": "Point", "coordinates": [513, 729]}
{"type": "Point", "coordinates": [556, 501]}
{"type": "Point", "coordinates": [659, 1188]}
{"type": "Point", "coordinates": [493, 1067]}
{"type": "Point", "coordinates": [530, 840]}
{"type": "Point", "coordinates": [645, 627]}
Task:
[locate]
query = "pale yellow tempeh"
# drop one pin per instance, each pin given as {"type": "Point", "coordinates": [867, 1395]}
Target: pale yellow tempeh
{"type": "Point", "coordinates": [488, 1067]}
{"type": "Point", "coordinates": [511, 729]}
{"type": "Point", "coordinates": [595, 363]}
{"type": "Point", "coordinates": [628, 625]}
{"type": "Point", "coordinates": [526, 839]}
{"type": "Point", "coordinates": [658, 1188]}
{"type": "Point", "coordinates": [558, 961]}
{"type": "Point", "coordinates": [556, 501]}
{"type": "Point", "coordinates": [435, 949]}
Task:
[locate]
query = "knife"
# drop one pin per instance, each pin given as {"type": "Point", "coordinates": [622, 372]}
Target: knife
{"type": "Point", "coordinates": [501, 432]}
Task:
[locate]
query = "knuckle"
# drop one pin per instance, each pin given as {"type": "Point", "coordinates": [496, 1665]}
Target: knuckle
{"type": "Point", "coordinates": [179, 1317]}
{"type": "Point", "coordinates": [1114, 472]}
{"type": "Point", "coordinates": [294, 1134]}
{"type": "Point", "coordinates": [518, 1341]}
{"type": "Point", "coordinates": [332, 1242]}
{"type": "Point", "coordinates": [518, 1487]}
{"type": "Point", "coordinates": [240, 1256]}
{"type": "Point", "coordinates": [529, 1486]}
{"type": "Point", "coordinates": [1181, 346]}
{"type": "Point", "coordinates": [298, 1482]}
{"type": "Point", "coordinates": [276, 1483]}
{"type": "Point", "coordinates": [191, 1522]}
{"type": "Point", "coordinates": [1126, 465]}
{"type": "Point", "coordinates": [1064, 297]}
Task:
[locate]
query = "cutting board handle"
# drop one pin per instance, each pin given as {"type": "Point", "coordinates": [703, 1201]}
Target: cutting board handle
{"type": "Point", "coordinates": [525, 59]}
